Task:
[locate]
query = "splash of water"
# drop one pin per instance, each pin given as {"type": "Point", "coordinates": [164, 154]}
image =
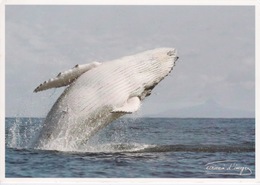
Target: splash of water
{"type": "Point", "coordinates": [21, 132]}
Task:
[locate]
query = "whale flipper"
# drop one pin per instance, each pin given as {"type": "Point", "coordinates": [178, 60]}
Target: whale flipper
{"type": "Point", "coordinates": [67, 77]}
{"type": "Point", "coordinates": [132, 105]}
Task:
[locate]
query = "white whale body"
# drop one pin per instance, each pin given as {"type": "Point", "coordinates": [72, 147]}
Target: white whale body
{"type": "Point", "coordinates": [99, 93]}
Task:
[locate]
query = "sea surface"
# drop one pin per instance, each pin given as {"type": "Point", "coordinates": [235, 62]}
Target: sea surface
{"type": "Point", "coordinates": [139, 148]}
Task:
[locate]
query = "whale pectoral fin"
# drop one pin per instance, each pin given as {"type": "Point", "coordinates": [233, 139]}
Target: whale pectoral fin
{"type": "Point", "coordinates": [132, 105]}
{"type": "Point", "coordinates": [67, 77]}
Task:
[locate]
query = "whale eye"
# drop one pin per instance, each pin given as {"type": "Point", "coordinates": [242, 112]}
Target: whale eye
{"type": "Point", "coordinates": [170, 53]}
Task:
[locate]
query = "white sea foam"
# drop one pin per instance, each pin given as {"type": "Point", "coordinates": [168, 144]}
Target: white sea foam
{"type": "Point", "coordinates": [22, 132]}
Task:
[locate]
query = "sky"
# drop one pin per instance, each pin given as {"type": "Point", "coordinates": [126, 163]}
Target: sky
{"type": "Point", "coordinates": [216, 46]}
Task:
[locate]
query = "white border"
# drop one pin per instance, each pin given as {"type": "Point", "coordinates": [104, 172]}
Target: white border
{"type": "Point", "coordinates": [130, 2]}
{"type": "Point", "coordinates": [127, 181]}
{"type": "Point", "coordinates": [257, 91]}
{"type": "Point", "coordinates": [2, 90]}
{"type": "Point", "coordinates": [161, 181]}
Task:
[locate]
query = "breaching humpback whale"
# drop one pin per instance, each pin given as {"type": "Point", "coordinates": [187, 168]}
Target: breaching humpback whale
{"type": "Point", "coordinates": [99, 93]}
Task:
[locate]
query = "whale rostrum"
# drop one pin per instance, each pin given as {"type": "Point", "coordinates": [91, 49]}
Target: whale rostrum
{"type": "Point", "coordinates": [98, 94]}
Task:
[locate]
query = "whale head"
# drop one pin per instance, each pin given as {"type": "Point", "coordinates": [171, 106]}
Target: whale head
{"type": "Point", "coordinates": [156, 65]}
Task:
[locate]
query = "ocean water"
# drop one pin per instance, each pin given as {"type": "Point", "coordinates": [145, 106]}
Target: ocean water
{"type": "Point", "coordinates": [139, 148]}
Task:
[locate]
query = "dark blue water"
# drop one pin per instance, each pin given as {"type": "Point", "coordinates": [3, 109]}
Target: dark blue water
{"type": "Point", "coordinates": [140, 148]}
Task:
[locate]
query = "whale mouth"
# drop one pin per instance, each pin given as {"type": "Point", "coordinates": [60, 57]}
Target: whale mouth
{"type": "Point", "coordinates": [171, 68]}
{"type": "Point", "coordinates": [148, 89]}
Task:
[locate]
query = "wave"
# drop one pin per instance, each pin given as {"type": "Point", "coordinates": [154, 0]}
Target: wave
{"type": "Point", "coordinates": [135, 148]}
{"type": "Point", "coordinates": [20, 133]}
{"type": "Point", "coordinates": [145, 148]}
{"type": "Point", "coordinates": [200, 148]}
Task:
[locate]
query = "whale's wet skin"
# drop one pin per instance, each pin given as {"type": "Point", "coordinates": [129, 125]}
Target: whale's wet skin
{"type": "Point", "coordinates": [98, 94]}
